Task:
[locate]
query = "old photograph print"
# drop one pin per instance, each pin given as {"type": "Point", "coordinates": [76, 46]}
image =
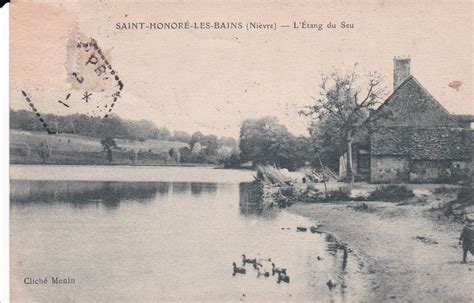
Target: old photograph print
{"type": "Point", "coordinates": [241, 151]}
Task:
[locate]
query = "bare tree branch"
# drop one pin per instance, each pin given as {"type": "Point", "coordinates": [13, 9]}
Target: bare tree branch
{"type": "Point", "coordinates": [339, 101]}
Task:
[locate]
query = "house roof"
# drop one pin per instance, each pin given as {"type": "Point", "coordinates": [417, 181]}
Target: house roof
{"type": "Point", "coordinates": [412, 105]}
{"type": "Point", "coordinates": [436, 143]}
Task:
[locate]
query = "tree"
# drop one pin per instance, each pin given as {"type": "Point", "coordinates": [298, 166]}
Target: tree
{"type": "Point", "coordinates": [112, 127]}
{"type": "Point", "coordinates": [44, 151]}
{"type": "Point", "coordinates": [140, 130]}
{"type": "Point", "coordinates": [175, 155]}
{"type": "Point", "coordinates": [260, 140]}
{"type": "Point", "coordinates": [294, 152]}
{"type": "Point", "coordinates": [327, 142]}
{"type": "Point", "coordinates": [196, 149]}
{"type": "Point", "coordinates": [70, 127]}
{"type": "Point", "coordinates": [165, 156]}
{"type": "Point", "coordinates": [212, 145]}
{"type": "Point", "coordinates": [346, 99]}
{"type": "Point", "coordinates": [186, 154]}
{"type": "Point", "coordinates": [233, 161]}
{"type": "Point", "coordinates": [26, 152]}
{"type": "Point", "coordinates": [195, 138]}
{"type": "Point", "coordinates": [107, 144]}
{"type": "Point", "coordinates": [228, 142]}
{"type": "Point", "coordinates": [266, 141]}
{"type": "Point", "coordinates": [181, 136]}
{"type": "Point", "coordinates": [133, 156]}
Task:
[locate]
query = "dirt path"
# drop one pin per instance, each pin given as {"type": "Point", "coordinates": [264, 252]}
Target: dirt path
{"type": "Point", "coordinates": [400, 266]}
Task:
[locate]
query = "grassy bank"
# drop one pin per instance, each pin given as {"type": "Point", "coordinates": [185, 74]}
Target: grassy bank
{"type": "Point", "coordinates": [26, 147]}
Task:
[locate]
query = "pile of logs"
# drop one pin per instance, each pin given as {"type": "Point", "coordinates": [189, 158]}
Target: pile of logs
{"type": "Point", "coordinates": [271, 174]}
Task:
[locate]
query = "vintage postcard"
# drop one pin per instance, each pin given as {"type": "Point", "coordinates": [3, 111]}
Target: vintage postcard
{"type": "Point", "coordinates": [228, 151]}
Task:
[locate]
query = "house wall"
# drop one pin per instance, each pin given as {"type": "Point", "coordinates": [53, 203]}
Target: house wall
{"type": "Point", "coordinates": [423, 171]}
{"type": "Point", "coordinates": [461, 171]}
{"type": "Point", "coordinates": [387, 169]}
{"type": "Point", "coordinates": [441, 171]}
{"type": "Point", "coordinates": [436, 155]}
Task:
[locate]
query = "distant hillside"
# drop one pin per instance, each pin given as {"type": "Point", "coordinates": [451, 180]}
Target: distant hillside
{"type": "Point", "coordinates": [28, 147]}
{"type": "Point", "coordinates": [113, 127]}
{"type": "Point", "coordinates": [76, 139]}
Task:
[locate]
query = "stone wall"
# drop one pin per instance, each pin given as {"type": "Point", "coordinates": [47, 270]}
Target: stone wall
{"type": "Point", "coordinates": [439, 171]}
{"type": "Point", "coordinates": [387, 169]}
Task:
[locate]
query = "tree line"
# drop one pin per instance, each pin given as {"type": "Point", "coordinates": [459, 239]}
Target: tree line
{"type": "Point", "coordinates": [112, 127]}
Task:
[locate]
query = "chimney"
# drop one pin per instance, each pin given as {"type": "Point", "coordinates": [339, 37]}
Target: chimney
{"type": "Point", "coordinates": [401, 70]}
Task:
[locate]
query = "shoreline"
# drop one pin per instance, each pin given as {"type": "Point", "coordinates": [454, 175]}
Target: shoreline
{"type": "Point", "coordinates": [409, 256]}
{"type": "Point", "coordinates": [123, 164]}
{"type": "Point", "coordinates": [128, 173]}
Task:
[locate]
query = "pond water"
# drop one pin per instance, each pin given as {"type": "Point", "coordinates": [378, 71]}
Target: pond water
{"type": "Point", "coordinates": [164, 240]}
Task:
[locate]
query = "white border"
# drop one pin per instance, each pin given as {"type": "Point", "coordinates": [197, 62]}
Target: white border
{"type": "Point", "coordinates": [4, 155]}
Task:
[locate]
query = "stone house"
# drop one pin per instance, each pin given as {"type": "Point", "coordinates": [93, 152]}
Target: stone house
{"type": "Point", "coordinates": [413, 138]}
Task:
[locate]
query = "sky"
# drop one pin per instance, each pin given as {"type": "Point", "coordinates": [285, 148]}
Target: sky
{"type": "Point", "coordinates": [211, 80]}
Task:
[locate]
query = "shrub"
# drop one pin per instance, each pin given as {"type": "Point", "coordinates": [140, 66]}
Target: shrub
{"type": "Point", "coordinates": [360, 198]}
{"type": "Point", "coordinates": [464, 199]}
{"type": "Point", "coordinates": [363, 207]}
{"type": "Point", "coordinates": [465, 195]}
{"type": "Point", "coordinates": [287, 191]}
{"type": "Point", "coordinates": [391, 193]}
{"type": "Point", "coordinates": [340, 194]}
{"type": "Point", "coordinates": [444, 190]}
{"type": "Point", "coordinates": [311, 187]}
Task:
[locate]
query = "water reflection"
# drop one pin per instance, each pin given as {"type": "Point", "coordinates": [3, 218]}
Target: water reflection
{"type": "Point", "coordinates": [156, 228]}
{"type": "Point", "coordinates": [250, 199]}
{"type": "Point", "coordinates": [180, 187]}
{"type": "Point", "coordinates": [196, 188]}
{"type": "Point", "coordinates": [251, 202]}
{"type": "Point", "coordinates": [109, 194]}
{"type": "Point", "coordinates": [112, 193]}
{"type": "Point", "coordinates": [340, 263]}
{"type": "Point", "coordinates": [199, 187]}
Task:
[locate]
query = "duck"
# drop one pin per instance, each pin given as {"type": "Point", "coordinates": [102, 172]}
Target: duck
{"type": "Point", "coordinates": [246, 260]}
{"type": "Point", "coordinates": [265, 273]}
{"type": "Point", "coordinates": [238, 270]}
{"type": "Point", "coordinates": [319, 258]}
{"type": "Point", "coordinates": [278, 270]}
{"type": "Point", "coordinates": [330, 284]}
{"type": "Point", "coordinates": [283, 277]}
